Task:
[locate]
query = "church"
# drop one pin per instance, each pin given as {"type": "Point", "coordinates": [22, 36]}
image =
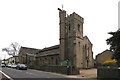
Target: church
{"type": "Point", "coordinates": [73, 47]}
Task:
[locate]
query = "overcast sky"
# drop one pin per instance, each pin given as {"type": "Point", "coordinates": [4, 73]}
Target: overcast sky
{"type": "Point", "coordinates": [35, 23]}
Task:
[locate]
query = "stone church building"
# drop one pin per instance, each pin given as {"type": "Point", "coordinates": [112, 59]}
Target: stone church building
{"type": "Point", "coordinates": [73, 47]}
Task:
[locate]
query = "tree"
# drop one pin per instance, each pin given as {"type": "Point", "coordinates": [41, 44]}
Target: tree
{"type": "Point", "coordinates": [114, 43]}
{"type": "Point", "coordinates": [13, 50]}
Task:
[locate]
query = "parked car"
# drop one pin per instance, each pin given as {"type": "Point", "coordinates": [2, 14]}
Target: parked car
{"type": "Point", "coordinates": [2, 65]}
{"type": "Point", "coordinates": [13, 66]}
{"type": "Point", "coordinates": [9, 65]}
{"type": "Point", "coordinates": [21, 66]}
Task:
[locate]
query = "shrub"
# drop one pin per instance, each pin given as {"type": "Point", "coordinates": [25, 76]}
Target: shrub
{"type": "Point", "coordinates": [109, 63]}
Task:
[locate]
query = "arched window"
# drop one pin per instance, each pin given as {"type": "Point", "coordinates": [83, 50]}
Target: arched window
{"type": "Point", "coordinates": [56, 61]}
{"type": "Point", "coordinates": [88, 52]}
{"type": "Point", "coordinates": [79, 27]}
{"type": "Point", "coordinates": [83, 49]}
{"type": "Point", "coordinates": [79, 44]}
{"type": "Point", "coordinates": [69, 27]}
{"type": "Point", "coordinates": [51, 60]}
{"type": "Point", "coordinates": [65, 28]}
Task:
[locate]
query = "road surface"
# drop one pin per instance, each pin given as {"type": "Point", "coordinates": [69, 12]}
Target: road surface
{"type": "Point", "coordinates": [30, 74]}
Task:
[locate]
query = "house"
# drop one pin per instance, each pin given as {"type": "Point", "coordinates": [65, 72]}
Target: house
{"type": "Point", "coordinates": [103, 56]}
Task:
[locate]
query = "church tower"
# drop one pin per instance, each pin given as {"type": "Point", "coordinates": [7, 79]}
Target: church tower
{"type": "Point", "coordinates": [74, 37]}
{"type": "Point", "coordinates": [73, 45]}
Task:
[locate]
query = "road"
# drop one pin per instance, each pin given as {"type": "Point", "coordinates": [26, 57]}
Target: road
{"type": "Point", "coordinates": [30, 74]}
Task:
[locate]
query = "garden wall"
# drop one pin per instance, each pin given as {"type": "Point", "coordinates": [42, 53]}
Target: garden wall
{"type": "Point", "coordinates": [69, 70]}
{"type": "Point", "coordinates": [108, 72]}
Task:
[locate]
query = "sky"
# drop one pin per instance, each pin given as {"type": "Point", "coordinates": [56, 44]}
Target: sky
{"type": "Point", "coordinates": [35, 23]}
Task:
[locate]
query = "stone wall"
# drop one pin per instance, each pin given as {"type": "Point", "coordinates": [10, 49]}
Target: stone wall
{"type": "Point", "coordinates": [108, 73]}
{"type": "Point", "coordinates": [57, 69]}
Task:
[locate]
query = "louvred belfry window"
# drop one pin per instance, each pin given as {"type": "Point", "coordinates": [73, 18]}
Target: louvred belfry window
{"type": "Point", "coordinates": [79, 27]}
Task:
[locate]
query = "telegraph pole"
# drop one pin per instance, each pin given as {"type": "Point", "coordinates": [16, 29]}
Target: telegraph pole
{"type": "Point", "coordinates": [119, 15]}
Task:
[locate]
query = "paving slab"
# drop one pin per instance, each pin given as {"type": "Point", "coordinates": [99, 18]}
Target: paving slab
{"type": "Point", "coordinates": [86, 73]}
{"type": "Point", "coordinates": [89, 73]}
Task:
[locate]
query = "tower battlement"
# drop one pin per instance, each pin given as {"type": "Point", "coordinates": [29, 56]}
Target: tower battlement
{"type": "Point", "coordinates": [76, 16]}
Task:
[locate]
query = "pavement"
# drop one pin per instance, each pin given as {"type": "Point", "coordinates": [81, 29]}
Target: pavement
{"type": "Point", "coordinates": [89, 73]}
{"type": "Point", "coordinates": [3, 76]}
{"type": "Point", "coordinates": [86, 73]}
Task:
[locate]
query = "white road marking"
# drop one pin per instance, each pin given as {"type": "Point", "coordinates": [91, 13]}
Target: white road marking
{"type": "Point", "coordinates": [30, 73]}
{"type": "Point", "coordinates": [6, 75]}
